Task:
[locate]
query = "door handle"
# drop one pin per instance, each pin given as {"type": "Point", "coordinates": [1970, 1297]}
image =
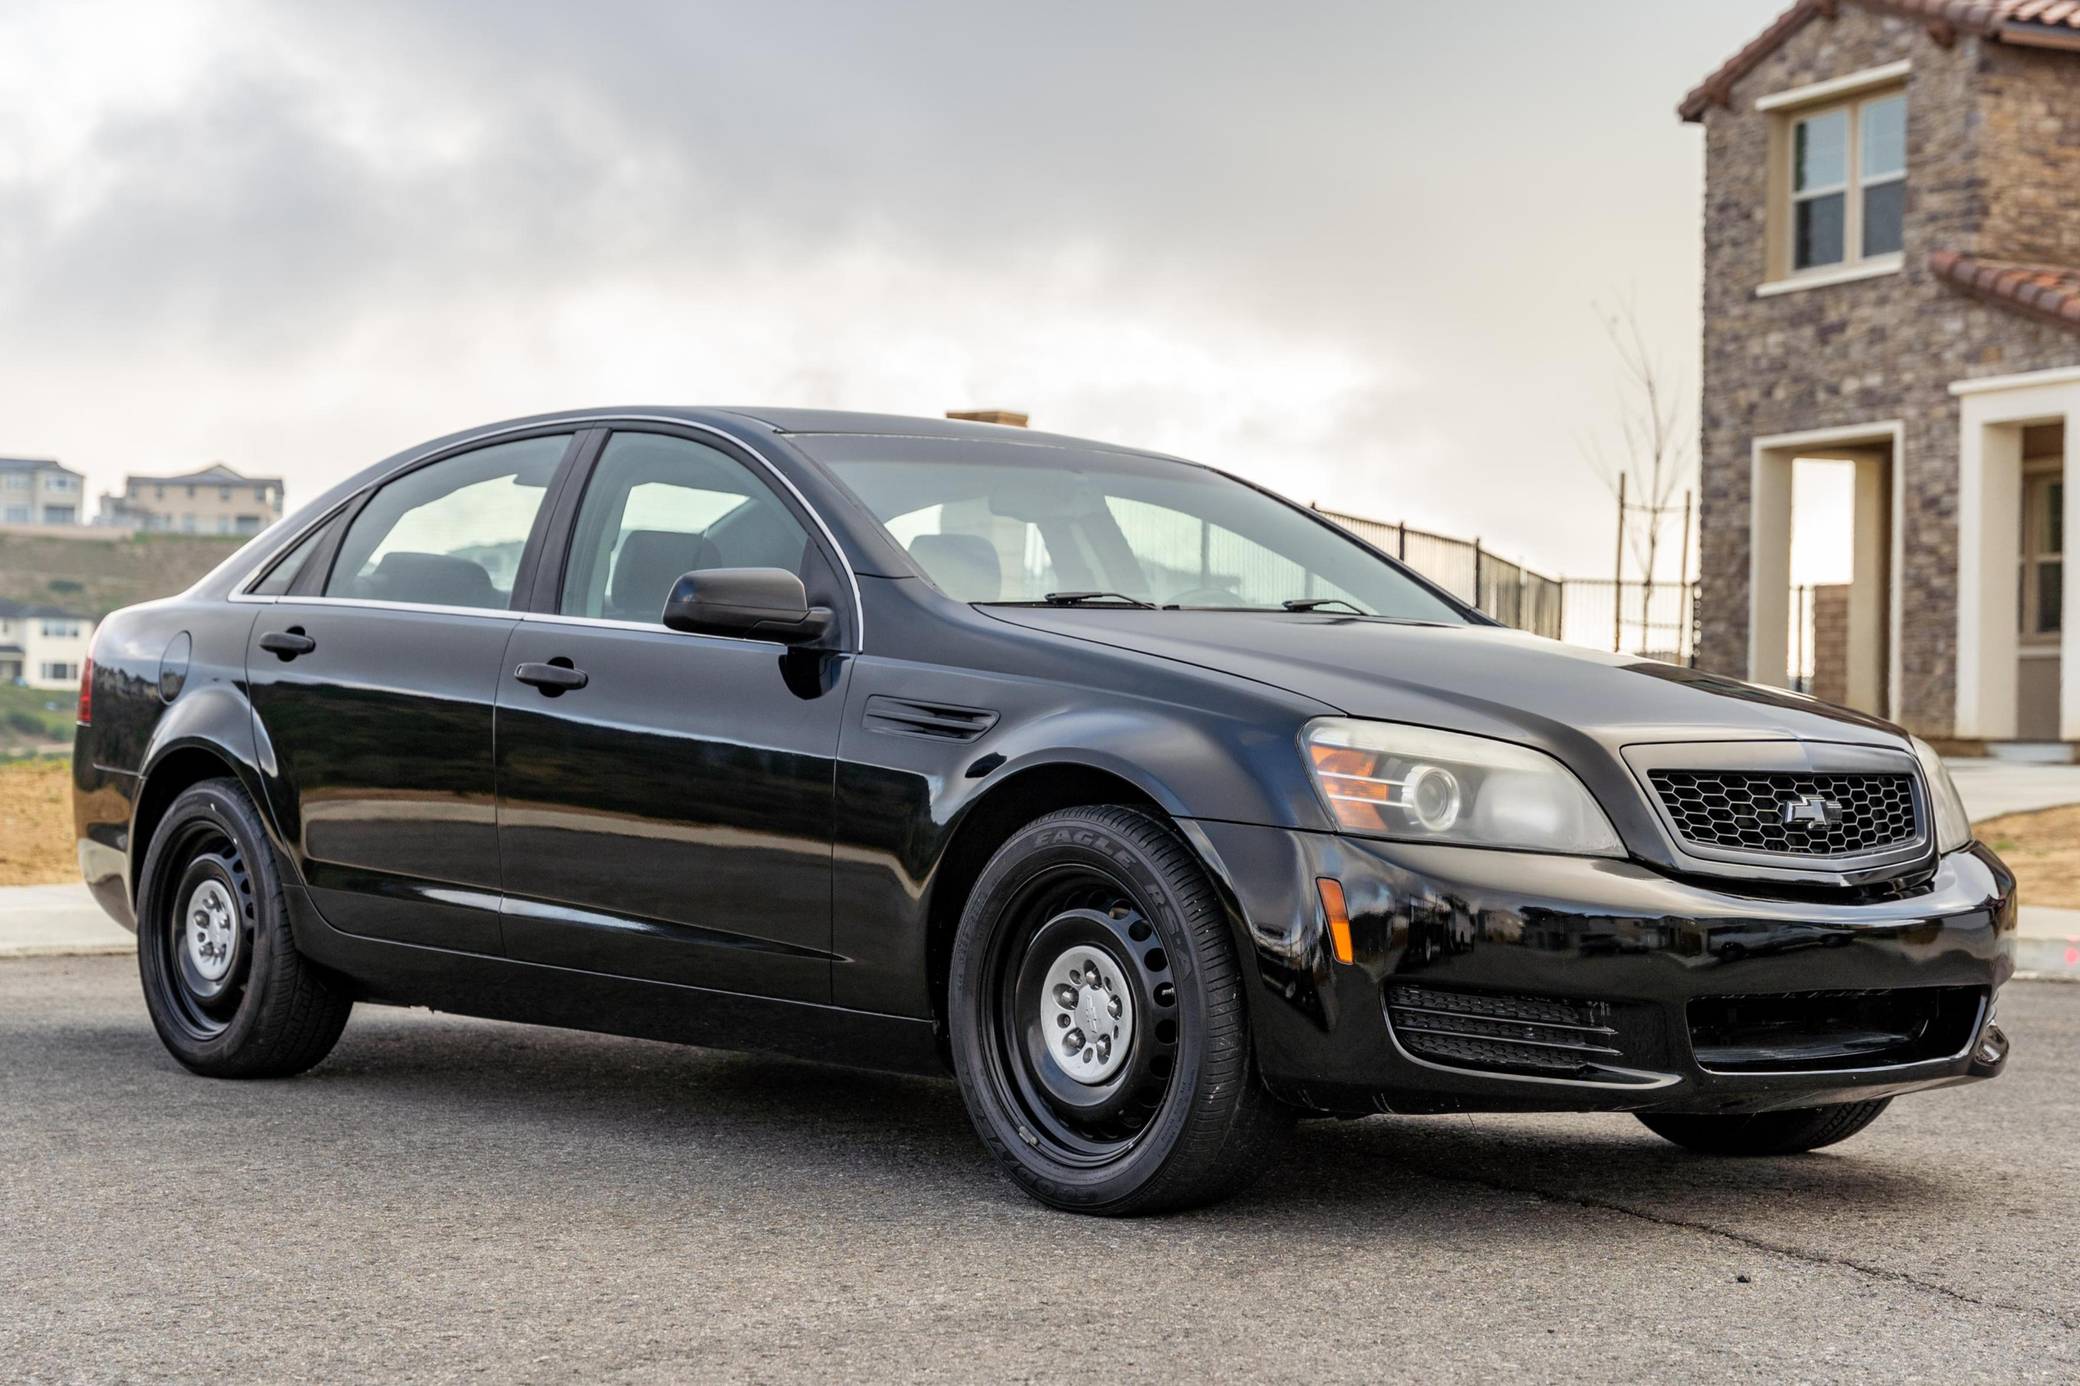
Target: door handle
{"type": "Point", "coordinates": [553, 678]}
{"type": "Point", "coordinates": [288, 643]}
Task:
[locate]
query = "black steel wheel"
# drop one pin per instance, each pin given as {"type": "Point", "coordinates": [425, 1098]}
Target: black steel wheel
{"type": "Point", "coordinates": [1098, 1024]}
{"type": "Point", "coordinates": [225, 987]}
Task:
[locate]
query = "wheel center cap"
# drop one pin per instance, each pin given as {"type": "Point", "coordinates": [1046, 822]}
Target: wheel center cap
{"type": "Point", "coordinates": [1087, 1013]}
{"type": "Point", "coordinates": [210, 930]}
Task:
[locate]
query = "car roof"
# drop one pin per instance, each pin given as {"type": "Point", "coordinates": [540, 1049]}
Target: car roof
{"type": "Point", "coordinates": [845, 421]}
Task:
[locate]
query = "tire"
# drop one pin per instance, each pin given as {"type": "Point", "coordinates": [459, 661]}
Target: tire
{"type": "Point", "coordinates": [1766, 1133]}
{"type": "Point", "coordinates": [227, 991]}
{"type": "Point", "coordinates": [1174, 1116]}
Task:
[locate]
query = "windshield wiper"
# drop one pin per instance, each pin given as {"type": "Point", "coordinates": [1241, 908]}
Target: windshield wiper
{"type": "Point", "coordinates": [1096, 599]}
{"type": "Point", "coordinates": [1317, 603]}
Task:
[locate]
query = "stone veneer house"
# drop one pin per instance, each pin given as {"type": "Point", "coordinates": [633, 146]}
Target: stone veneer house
{"type": "Point", "coordinates": [1892, 278]}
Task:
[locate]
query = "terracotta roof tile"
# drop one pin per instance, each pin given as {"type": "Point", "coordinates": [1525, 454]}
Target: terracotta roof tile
{"type": "Point", "coordinates": [2047, 291]}
{"type": "Point", "coordinates": [2055, 23]}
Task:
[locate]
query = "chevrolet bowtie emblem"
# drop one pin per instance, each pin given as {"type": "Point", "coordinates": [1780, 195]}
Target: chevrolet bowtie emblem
{"type": "Point", "coordinates": [1811, 812]}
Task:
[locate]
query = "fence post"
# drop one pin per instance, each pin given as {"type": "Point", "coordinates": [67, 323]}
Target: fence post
{"type": "Point", "coordinates": [1401, 541]}
{"type": "Point", "coordinates": [1798, 674]}
{"type": "Point", "coordinates": [1477, 577]}
{"type": "Point", "coordinates": [1618, 578]}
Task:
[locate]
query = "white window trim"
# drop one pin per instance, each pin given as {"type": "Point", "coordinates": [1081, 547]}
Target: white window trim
{"type": "Point", "coordinates": [1851, 96]}
{"type": "Point", "coordinates": [1851, 85]}
{"type": "Point", "coordinates": [1877, 266]}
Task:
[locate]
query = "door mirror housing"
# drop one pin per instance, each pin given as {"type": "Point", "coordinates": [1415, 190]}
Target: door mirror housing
{"type": "Point", "coordinates": [754, 603]}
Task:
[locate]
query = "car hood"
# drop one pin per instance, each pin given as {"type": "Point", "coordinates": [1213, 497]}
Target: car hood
{"type": "Point", "coordinates": [1482, 679]}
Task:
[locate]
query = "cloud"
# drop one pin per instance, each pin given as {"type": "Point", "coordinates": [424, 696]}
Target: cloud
{"type": "Point", "coordinates": [1303, 242]}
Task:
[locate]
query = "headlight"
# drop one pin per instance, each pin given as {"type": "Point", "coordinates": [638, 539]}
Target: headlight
{"type": "Point", "coordinates": [1953, 824]}
{"type": "Point", "coordinates": [1388, 780]}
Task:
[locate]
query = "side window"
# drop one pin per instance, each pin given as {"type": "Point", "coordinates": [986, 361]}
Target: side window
{"type": "Point", "coordinates": [657, 508]}
{"type": "Point", "coordinates": [450, 534]}
{"type": "Point", "coordinates": [286, 569]}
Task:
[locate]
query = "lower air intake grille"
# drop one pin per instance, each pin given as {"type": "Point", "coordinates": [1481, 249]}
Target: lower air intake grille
{"type": "Point", "coordinates": [1531, 1035]}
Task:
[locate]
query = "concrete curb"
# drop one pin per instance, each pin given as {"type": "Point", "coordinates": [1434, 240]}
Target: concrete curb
{"type": "Point", "coordinates": [9, 952]}
{"type": "Point", "coordinates": [2047, 945]}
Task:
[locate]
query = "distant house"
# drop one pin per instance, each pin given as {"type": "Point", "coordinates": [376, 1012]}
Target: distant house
{"type": "Point", "coordinates": [1892, 278]}
{"type": "Point", "coordinates": [37, 491]}
{"type": "Point", "coordinates": [215, 500]}
{"type": "Point", "coordinates": [42, 646]}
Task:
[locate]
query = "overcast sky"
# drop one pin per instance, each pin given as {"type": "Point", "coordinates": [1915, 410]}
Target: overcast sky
{"type": "Point", "coordinates": [1350, 250]}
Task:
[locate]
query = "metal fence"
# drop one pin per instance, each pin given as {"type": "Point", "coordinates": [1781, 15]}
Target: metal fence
{"type": "Point", "coordinates": [1510, 592]}
{"type": "Point", "coordinates": [1657, 620]}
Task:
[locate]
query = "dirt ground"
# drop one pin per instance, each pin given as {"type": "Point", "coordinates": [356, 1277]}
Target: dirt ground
{"type": "Point", "coordinates": [2044, 849]}
{"type": "Point", "coordinates": [36, 836]}
{"type": "Point", "coordinates": [36, 822]}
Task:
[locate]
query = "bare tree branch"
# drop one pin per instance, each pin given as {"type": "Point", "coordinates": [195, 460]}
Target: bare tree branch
{"type": "Point", "coordinates": [1653, 449]}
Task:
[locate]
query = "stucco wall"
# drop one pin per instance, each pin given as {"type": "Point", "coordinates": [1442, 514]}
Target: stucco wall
{"type": "Point", "coordinates": [1860, 352]}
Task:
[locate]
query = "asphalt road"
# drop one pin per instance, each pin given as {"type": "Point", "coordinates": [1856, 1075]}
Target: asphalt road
{"type": "Point", "coordinates": [454, 1199]}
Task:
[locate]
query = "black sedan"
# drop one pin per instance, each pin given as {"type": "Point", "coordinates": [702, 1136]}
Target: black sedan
{"type": "Point", "coordinates": [1159, 810]}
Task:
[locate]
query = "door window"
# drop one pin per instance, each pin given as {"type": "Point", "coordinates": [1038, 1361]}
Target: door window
{"type": "Point", "coordinates": [658, 508]}
{"type": "Point", "coordinates": [449, 534]}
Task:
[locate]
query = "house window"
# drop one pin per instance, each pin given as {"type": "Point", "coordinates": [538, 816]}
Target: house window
{"type": "Point", "coordinates": [60, 673]}
{"type": "Point", "coordinates": [17, 514]}
{"type": "Point", "coordinates": [60, 630]}
{"type": "Point", "coordinates": [1848, 183]}
{"type": "Point", "coordinates": [2043, 556]}
{"type": "Point", "coordinates": [60, 482]}
{"type": "Point", "coordinates": [17, 481]}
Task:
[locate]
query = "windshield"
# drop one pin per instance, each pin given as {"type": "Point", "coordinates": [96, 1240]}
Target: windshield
{"type": "Point", "coordinates": [1011, 523]}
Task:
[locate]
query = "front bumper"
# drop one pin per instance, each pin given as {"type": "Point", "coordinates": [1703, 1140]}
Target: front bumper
{"type": "Point", "coordinates": [1624, 945]}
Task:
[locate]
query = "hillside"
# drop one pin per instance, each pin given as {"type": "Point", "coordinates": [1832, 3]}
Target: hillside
{"type": "Point", "coordinates": [93, 573]}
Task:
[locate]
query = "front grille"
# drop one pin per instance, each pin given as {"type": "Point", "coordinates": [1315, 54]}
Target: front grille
{"type": "Point", "coordinates": [1832, 1029]}
{"type": "Point", "coordinates": [1532, 1035]}
{"type": "Point", "coordinates": [1745, 811]}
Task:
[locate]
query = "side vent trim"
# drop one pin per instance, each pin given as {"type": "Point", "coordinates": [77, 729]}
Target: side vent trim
{"type": "Point", "coordinates": [937, 721]}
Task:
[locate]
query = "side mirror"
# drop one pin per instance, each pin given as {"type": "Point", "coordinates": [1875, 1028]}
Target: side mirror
{"type": "Point", "coordinates": [758, 603]}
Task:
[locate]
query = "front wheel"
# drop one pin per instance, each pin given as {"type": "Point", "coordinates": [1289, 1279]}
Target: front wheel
{"type": "Point", "coordinates": [1099, 1027]}
{"type": "Point", "coordinates": [1767, 1133]}
{"type": "Point", "coordinates": [227, 991]}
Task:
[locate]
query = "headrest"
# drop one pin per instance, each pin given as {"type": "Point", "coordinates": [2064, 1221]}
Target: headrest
{"type": "Point", "coordinates": [965, 566]}
{"type": "Point", "coordinates": [437, 579]}
{"type": "Point", "coordinates": [648, 563]}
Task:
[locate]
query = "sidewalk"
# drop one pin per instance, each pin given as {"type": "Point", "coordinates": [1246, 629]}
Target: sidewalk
{"type": "Point", "coordinates": [1995, 787]}
{"type": "Point", "coordinates": [55, 920]}
{"type": "Point", "coordinates": [49, 920]}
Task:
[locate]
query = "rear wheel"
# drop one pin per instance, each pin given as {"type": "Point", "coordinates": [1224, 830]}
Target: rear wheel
{"type": "Point", "coordinates": [226, 989]}
{"type": "Point", "coordinates": [1767, 1133]}
{"type": "Point", "coordinates": [1099, 1028]}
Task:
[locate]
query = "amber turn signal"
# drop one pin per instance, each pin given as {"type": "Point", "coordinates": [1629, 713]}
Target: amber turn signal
{"type": "Point", "coordinates": [1331, 891]}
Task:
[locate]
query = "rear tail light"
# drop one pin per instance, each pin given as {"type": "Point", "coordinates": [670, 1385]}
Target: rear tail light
{"type": "Point", "coordinates": [86, 690]}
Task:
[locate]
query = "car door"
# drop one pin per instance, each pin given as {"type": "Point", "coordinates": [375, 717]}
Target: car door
{"type": "Point", "coordinates": [374, 677]}
{"type": "Point", "coordinates": [670, 819]}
